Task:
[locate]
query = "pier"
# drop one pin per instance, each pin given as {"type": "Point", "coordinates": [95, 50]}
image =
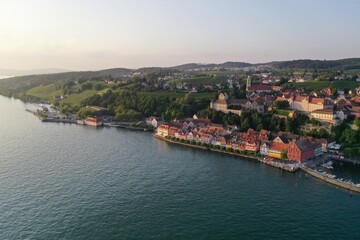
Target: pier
{"type": "Point", "coordinates": [337, 182]}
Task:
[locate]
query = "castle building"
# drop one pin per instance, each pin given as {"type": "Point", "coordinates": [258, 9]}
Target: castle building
{"type": "Point", "coordinates": [236, 106]}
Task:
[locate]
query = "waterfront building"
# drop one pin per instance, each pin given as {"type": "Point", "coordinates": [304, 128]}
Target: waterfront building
{"type": "Point", "coordinates": [252, 146]}
{"type": "Point", "coordinates": [163, 130]}
{"type": "Point", "coordinates": [172, 130]}
{"type": "Point", "coordinates": [154, 121]}
{"type": "Point", "coordinates": [93, 121]}
{"type": "Point", "coordinates": [325, 143]}
{"type": "Point", "coordinates": [264, 148]}
{"type": "Point", "coordinates": [303, 150]}
{"type": "Point", "coordinates": [276, 148]}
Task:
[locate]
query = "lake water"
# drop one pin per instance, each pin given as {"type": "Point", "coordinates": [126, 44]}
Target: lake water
{"type": "Point", "coordinates": [62, 181]}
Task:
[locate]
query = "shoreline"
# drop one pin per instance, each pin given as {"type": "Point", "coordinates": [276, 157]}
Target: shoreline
{"type": "Point", "coordinates": [281, 166]}
{"type": "Point", "coordinates": [72, 121]}
{"type": "Point", "coordinates": [312, 172]}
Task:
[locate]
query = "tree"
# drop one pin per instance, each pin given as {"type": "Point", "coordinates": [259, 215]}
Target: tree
{"type": "Point", "coordinates": [55, 103]}
{"type": "Point", "coordinates": [65, 110]}
{"type": "Point", "coordinates": [357, 122]}
{"type": "Point", "coordinates": [245, 124]}
{"type": "Point", "coordinates": [323, 133]}
{"type": "Point", "coordinates": [86, 112]}
{"type": "Point", "coordinates": [98, 86]}
{"type": "Point", "coordinates": [283, 154]}
{"type": "Point", "coordinates": [282, 104]}
{"type": "Point", "coordinates": [350, 136]}
{"type": "Point", "coordinates": [288, 125]}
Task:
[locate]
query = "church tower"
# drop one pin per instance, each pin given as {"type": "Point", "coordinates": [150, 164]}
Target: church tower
{"type": "Point", "coordinates": [248, 83]}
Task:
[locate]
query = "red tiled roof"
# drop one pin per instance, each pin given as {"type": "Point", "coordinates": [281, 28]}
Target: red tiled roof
{"type": "Point", "coordinates": [263, 132]}
{"type": "Point", "coordinates": [300, 98]}
{"type": "Point", "coordinates": [278, 146]}
{"type": "Point", "coordinates": [317, 100]}
{"type": "Point", "coordinates": [259, 88]}
{"type": "Point", "coordinates": [91, 119]}
{"type": "Point", "coordinates": [323, 111]}
{"type": "Point", "coordinates": [164, 126]}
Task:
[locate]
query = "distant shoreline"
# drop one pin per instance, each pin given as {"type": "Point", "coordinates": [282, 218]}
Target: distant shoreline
{"type": "Point", "coordinates": [4, 77]}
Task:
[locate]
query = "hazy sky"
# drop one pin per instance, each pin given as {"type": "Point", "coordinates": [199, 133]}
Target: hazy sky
{"type": "Point", "coordinates": [84, 35]}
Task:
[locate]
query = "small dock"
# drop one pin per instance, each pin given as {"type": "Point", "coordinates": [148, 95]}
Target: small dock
{"type": "Point", "coordinates": [48, 119]}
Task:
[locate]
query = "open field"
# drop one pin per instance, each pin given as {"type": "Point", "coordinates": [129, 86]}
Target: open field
{"type": "Point", "coordinates": [75, 99]}
{"type": "Point", "coordinates": [197, 96]}
{"type": "Point", "coordinates": [319, 85]}
{"type": "Point", "coordinates": [46, 92]}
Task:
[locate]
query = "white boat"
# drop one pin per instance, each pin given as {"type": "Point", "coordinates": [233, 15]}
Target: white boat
{"type": "Point", "coordinates": [328, 165]}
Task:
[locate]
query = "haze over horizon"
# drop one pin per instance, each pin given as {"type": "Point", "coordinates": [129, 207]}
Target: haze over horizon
{"type": "Point", "coordinates": [93, 35]}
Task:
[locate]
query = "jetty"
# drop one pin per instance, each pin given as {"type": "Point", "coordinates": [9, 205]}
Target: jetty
{"type": "Point", "coordinates": [331, 179]}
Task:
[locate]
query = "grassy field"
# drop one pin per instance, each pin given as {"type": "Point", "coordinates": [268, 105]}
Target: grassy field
{"type": "Point", "coordinates": [48, 93]}
{"type": "Point", "coordinates": [44, 92]}
{"type": "Point", "coordinates": [319, 85]}
{"type": "Point", "coordinates": [201, 80]}
{"type": "Point", "coordinates": [283, 112]}
{"type": "Point", "coordinates": [170, 94]}
{"type": "Point", "coordinates": [344, 84]}
{"type": "Point", "coordinates": [75, 99]}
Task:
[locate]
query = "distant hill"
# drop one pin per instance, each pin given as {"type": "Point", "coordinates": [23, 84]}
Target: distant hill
{"type": "Point", "coordinates": [114, 72]}
{"type": "Point", "coordinates": [341, 64]}
{"type": "Point", "coordinates": [14, 72]}
{"type": "Point", "coordinates": [23, 83]}
{"type": "Point", "coordinates": [226, 65]}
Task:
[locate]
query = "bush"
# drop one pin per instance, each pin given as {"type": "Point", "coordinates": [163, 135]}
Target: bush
{"type": "Point", "coordinates": [229, 149]}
